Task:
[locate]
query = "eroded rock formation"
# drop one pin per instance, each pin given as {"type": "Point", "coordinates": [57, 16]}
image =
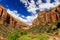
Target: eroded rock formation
{"type": "Point", "coordinates": [8, 20]}
{"type": "Point", "coordinates": [44, 17]}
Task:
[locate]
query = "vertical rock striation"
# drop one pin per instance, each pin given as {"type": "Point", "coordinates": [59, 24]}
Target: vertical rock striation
{"type": "Point", "coordinates": [8, 20]}
{"type": "Point", "coordinates": [44, 17]}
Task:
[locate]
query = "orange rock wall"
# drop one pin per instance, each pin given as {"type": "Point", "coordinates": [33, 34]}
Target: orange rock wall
{"type": "Point", "coordinates": [6, 19]}
{"type": "Point", "coordinates": [44, 17]}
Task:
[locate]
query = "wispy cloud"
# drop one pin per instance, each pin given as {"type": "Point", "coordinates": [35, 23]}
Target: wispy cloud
{"type": "Point", "coordinates": [47, 1]}
{"type": "Point", "coordinates": [32, 6]}
{"type": "Point", "coordinates": [27, 20]}
{"type": "Point", "coordinates": [56, 0]}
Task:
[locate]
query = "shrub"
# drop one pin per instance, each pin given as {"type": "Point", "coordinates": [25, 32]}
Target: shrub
{"type": "Point", "coordinates": [23, 32]}
{"type": "Point", "coordinates": [58, 31]}
{"type": "Point", "coordinates": [34, 37]}
{"type": "Point", "coordinates": [13, 36]}
{"type": "Point", "coordinates": [39, 29]}
{"type": "Point", "coordinates": [42, 37]}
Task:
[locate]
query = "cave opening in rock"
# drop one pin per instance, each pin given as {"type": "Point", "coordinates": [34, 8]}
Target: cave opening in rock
{"type": "Point", "coordinates": [8, 19]}
{"type": "Point", "coordinates": [1, 13]}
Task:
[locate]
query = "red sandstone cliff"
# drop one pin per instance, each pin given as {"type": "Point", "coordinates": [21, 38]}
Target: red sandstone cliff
{"type": "Point", "coordinates": [7, 20]}
{"type": "Point", "coordinates": [44, 17]}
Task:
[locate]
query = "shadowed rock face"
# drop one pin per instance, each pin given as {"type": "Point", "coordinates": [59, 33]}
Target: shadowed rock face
{"type": "Point", "coordinates": [44, 17]}
{"type": "Point", "coordinates": [7, 20]}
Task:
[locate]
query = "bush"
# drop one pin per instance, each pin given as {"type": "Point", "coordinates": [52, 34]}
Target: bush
{"type": "Point", "coordinates": [34, 37]}
{"type": "Point", "coordinates": [45, 28]}
{"type": "Point", "coordinates": [23, 32]}
{"type": "Point", "coordinates": [58, 31]}
{"type": "Point", "coordinates": [13, 36]}
{"type": "Point", "coordinates": [39, 29]}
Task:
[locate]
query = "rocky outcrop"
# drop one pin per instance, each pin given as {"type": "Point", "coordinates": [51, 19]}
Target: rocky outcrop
{"type": "Point", "coordinates": [8, 20]}
{"type": "Point", "coordinates": [44, 17]}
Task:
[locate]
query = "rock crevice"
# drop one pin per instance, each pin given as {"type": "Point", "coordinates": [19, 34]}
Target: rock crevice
{"type": "Point", "coordinates": [8, 20]}
{"type": "Point", "coordinates": [44, 17]}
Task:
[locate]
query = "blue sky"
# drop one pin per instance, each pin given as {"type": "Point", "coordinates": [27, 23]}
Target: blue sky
{"type": "Point", "coordinates": [15, 5]}
{"type": "Point", "coordinates": [27, 10]}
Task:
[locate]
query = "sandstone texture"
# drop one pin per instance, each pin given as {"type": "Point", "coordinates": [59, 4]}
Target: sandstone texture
{"type": "Point", "coordinates": [8, 20]}
{"type": "Point", "coordinates": [45, 17]}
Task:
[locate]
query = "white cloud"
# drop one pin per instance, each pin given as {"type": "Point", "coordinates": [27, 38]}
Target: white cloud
{"type": "Point", "coordinates": [56, 0]}
{"type": "Point", "coordinates": [48, 1]}
{"type": "Point", "coordinates": [25, 2]}
{"type": "Point", "coordinates": [39, 2]}
{"type": "Point", "coordinates": [48, 5]}
{"type": "Point", "coordinates": [32, 7]}
{"type": "Point", "coordinates": [13, 13]}
{"type": "Point", "coordinates": [27, 20]}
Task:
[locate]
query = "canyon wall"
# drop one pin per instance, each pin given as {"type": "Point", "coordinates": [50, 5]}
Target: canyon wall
{"type": "Point", "coordinates": [45, 17]}
{"type": "Point", "coordinates": [8, 20]}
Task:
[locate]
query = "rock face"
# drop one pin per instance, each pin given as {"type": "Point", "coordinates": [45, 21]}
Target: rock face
{"type": "Point", "coordinates": [7, 20]}
{"type": "Point", "coordinates": [44, 17]}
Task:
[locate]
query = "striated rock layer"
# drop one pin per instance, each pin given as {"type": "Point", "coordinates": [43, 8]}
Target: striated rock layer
{"type": "Point", "coordinates": [6, 19]}
{"type": "Point", "coordinates": [44, 17]}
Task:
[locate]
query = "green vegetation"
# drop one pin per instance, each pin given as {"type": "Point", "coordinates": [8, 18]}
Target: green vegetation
{"type": "Point", "coordinates": [39, 29]}
{"type": "Point", "coordinates": [23, 35]}
{"type": "Point", "coordinates": [13, 36]}
{"type": "Point", "coordinates": [40, 32]}
{"type": "Point", "coordinates": [34, 37]}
